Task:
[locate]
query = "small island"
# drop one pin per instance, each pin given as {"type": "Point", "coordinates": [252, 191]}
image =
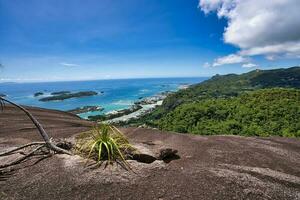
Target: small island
{"type": "Point", "coordinates": [38, 94]}
{"type": "Point", "coordinates": [85, 109]}
{"type": "Point", "coordinates": [60, 92]}
{"type": "Point", "coordinates": [63, 96]}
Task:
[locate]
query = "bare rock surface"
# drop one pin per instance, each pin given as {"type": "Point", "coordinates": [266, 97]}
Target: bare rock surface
{"type": "Point", "coordinates": [210, 167]}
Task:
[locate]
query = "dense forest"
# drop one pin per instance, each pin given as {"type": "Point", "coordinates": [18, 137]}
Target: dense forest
{"type": "Point", "coordinates": [260, 102]}
{"type": "Point", "coordinates": [262, 113]}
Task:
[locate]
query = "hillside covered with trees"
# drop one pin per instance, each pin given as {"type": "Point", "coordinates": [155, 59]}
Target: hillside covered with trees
{"type": "Point", "coordinates": [260, 102]}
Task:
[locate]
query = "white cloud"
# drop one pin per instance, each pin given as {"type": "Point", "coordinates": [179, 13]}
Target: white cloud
{"type": "Point", "coordinates": [259, 27]}
{"type": "Point", "coordinates": [206, 65]}
{"type": "Point", "coordinates": [270, 57]}
{"type": "Point", "coordinates": [69, 64]}
{"type": "Point", "coordinates": [290, 49]}
{"type": "Point", "coordinates": [249, 65]}
{"type": "Point", "coordinates": [230, 59]}
{"type": "Point", "coordinates": [209, 5]}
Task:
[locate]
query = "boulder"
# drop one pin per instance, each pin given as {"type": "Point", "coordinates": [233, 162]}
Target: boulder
{"type": "Point", "coordinates": [168, 154]}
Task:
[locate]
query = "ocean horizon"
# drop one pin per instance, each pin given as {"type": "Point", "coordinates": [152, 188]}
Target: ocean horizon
{"type": "Point", "coordinates": [113, 94]}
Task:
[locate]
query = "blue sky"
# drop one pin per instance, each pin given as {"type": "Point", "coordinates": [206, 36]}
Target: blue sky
{"type": "Point", "coordinates": [54, 40]}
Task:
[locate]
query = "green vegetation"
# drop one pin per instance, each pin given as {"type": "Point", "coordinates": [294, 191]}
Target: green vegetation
{"type": "Point", "coordinates": [64, 96]}
{"type": "Point", "coordinates": [254, 103]}
{"type": "Point", "coordinates": [261, 113]}
{"type": "Point", "coordinates": [104, 142]}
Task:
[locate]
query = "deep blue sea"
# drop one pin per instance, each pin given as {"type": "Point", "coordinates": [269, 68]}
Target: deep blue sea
{"type": "Point", "coordinates": [118, 94]}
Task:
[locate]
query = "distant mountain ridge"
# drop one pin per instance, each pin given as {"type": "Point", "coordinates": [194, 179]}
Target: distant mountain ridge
{"type": "Point", "coordinates": [233, 84]}
{"type": "Point", "coordinates": [278, 78]}
{"type": "Point", "coordinates": [289, 77]}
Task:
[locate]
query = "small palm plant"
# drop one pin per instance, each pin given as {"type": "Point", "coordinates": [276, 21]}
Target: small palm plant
{"type": "Point", "coordinates": [105, 142]}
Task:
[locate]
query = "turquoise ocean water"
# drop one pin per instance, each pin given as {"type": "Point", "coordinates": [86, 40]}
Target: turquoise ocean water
{"type": "Point", "coordinates": [118, 94]}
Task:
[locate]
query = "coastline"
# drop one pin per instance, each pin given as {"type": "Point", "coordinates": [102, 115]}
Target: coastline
{"type": "Point", "coordinates": [145, 109]}
{"type": "Point", "coordinates": [115, 94]}
{"type": "Point", "coordinates": [147, 105]}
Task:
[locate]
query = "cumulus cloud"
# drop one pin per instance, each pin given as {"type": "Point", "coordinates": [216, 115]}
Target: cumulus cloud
{"type": "Point", "coordinates": [270, 28]}
{"type": "Point", "coordinates": [69, 64]}
{"type": "Point", "coordinates": [249, 65]}
{"type": "Point", "coordinates": [230, 59]}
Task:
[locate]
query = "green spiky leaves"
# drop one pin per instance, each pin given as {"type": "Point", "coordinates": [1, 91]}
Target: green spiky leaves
{"type": "Point", "coordinates": [105, 142]}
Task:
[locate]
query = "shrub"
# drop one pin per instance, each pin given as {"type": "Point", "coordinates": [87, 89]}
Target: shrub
{"type": "Point", "coordinates": [104, 142]}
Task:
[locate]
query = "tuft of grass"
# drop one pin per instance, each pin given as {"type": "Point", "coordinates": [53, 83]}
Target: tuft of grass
{"type": "Point", "coordinates": [105, 142]}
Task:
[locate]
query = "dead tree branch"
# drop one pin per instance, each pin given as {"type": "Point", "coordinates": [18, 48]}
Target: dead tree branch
{"type": "Point", "coordinates": [40, 128]}
{"type": "Point", "coordinates": [17, 161]}
{"type": "Point", "coordinates": [21, 147]}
